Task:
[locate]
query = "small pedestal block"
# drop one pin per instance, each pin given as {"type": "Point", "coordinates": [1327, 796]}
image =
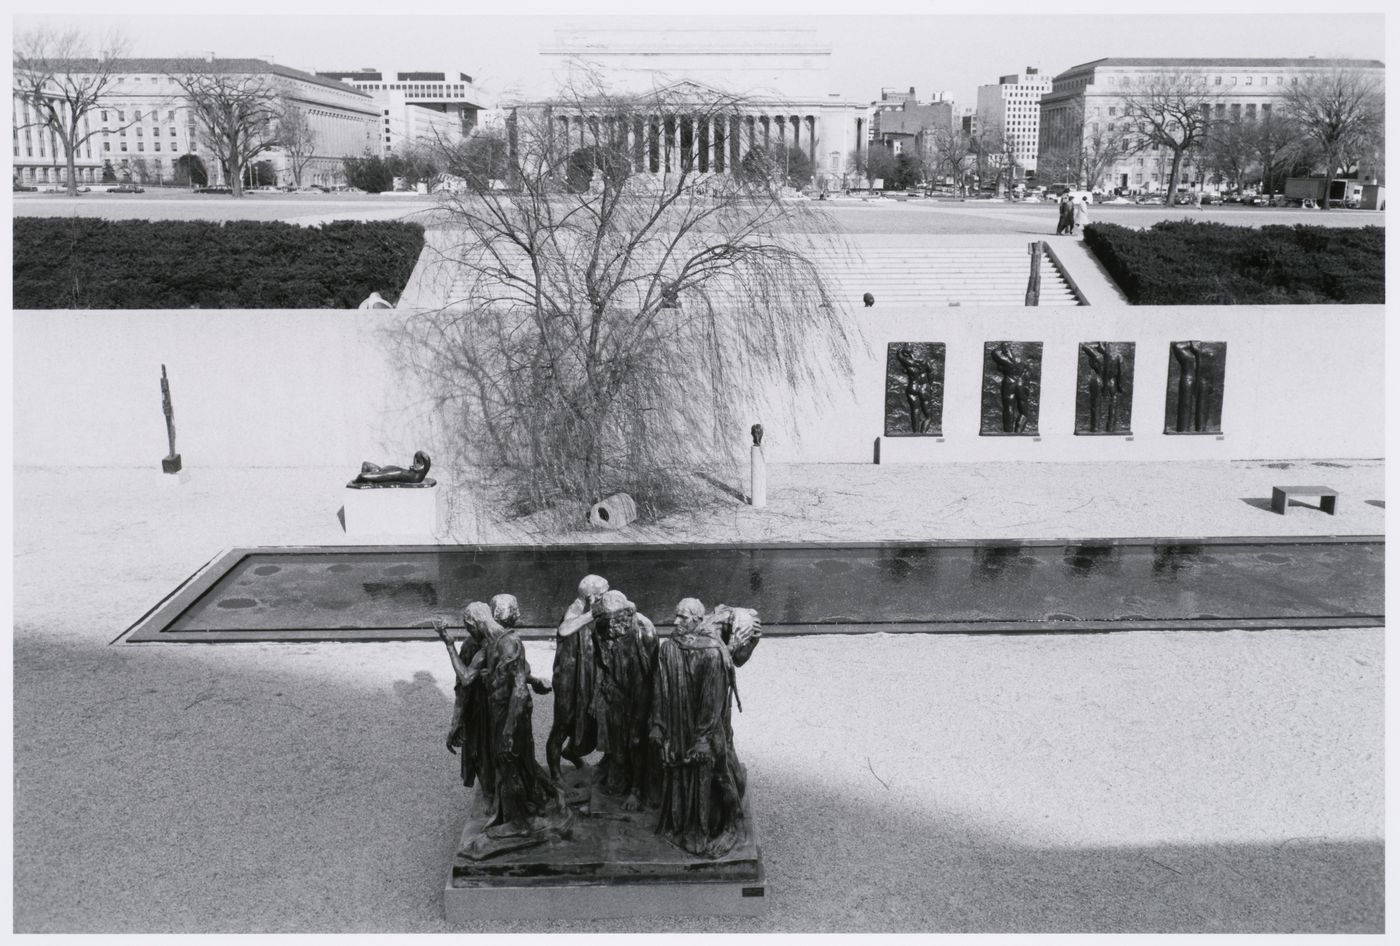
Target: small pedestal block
{"type": "Point", "coordinates": [170, 464]}
{"type": "Point", "coordinates": [758, 478]}
{"type": "Point", "coordinates": [392, 510]}
{"type": "Point", "coordinates": [613, 865]}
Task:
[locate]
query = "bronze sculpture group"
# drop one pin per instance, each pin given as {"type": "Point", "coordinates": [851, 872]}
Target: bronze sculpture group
{"type": "Point", "coordinates": [656, 706]}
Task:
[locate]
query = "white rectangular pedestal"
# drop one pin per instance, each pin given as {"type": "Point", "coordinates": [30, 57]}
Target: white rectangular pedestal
{"type": "Point", "coordinates": [391, 510]}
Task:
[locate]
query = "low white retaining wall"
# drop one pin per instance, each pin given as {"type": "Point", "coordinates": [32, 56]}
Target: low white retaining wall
{"type": "Point", "coordinates": [295, 388]}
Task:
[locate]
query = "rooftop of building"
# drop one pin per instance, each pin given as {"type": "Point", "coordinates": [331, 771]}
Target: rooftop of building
{"type": "Point", "coordinates": [226, 66]}
{"type": "Point", "coordinates": [1223, 63]}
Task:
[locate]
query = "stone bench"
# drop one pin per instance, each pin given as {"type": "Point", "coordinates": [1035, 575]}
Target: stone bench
{"type": "Point", "coordinates": [1328, 498]}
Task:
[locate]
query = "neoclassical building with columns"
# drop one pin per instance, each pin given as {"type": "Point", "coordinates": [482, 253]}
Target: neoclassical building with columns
{"type": "Point", "coordinates": [745, 89]}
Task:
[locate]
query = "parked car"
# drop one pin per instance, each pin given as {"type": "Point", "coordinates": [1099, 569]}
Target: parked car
{"type": "Point", "coordinates": [126, 189]}
{"type": "Point", "coordinates": [1149, 199]}
{"type": "Point", "coordinates": [214, 189]}
{"type": "Point", "coordinates": [24, 187]}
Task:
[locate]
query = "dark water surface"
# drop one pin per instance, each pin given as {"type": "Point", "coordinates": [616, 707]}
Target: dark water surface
{"type": "Point", "coordinates": [386, 593]}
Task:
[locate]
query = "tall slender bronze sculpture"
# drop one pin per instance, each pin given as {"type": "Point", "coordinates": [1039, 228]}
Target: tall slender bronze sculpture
{"type": "Point", "coordinates": [171, 463]}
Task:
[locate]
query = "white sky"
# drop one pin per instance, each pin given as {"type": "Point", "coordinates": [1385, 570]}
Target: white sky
{"type": "Point", "coordinates": [931, 52]}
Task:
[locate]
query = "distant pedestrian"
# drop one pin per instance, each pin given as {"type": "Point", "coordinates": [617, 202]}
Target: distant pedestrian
{"type": "Point", "coordinates": [1066, 223]}
{"type": "Point", "coordinates": [1080, 214]}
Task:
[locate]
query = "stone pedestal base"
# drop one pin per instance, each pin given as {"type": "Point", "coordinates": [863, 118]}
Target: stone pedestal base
{"type": "Point", "coordinates": [179, 478]}
{"type": "Point", "coordinates": [613, 865]}
{"type": "Point", "coordinates": [758, 478]}
{"type": "Point", "coordinates": [392, 510]}
{"type": "Point", "coordinates": [170, 464]}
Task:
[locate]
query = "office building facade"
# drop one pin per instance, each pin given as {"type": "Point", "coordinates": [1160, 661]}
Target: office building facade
{"type": "Point", "coordinates": [144, 124]}
{"type": "Point", "coordinates": [1009, 114]}
{"type": "Point", "coordinates": [426, 106]}
{"type": "Point", "coordinates": [1088, 100]}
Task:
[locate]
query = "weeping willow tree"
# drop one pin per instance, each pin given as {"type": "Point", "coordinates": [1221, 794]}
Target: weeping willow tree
{"type": "Point", "coordinates": [623, 305]}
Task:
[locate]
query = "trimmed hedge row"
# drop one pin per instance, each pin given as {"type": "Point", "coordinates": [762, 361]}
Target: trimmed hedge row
{"type": "Point", "coordinates": [90, 263]}
{"type": "Point", "coordinates": [1189, 263]}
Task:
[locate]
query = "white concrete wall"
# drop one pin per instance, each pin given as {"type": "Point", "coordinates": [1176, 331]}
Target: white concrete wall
{"type": "Point", "coordinates": [1300, 381]}
{"type": "Point", "coordinates": [250, 388]}
{"type": "Point", "coordinates": [280, 388]}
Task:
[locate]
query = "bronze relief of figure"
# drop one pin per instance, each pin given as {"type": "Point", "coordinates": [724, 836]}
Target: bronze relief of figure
{"type": "Point", "coordinates": [1194, 403]}
{"type": "Point", "coordinates": [1011, 375]}
{"type": "Point", "coordinates": [914, 389]}
{"type": "Point", "coordinates": [918, 389]}
{"type": "Point", "coordinates": [1104, 401]}
{"type": "Point", "coordinates": [372, 475]}
{"type": "Point", "coordinates": [523, 806]}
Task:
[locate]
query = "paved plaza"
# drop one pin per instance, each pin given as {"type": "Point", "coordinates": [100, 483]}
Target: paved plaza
{"type": "Point", "coordinates": [888, 215]}
{"type": "Point", "coordinates": [1135, 781]}
{"type": "Point", "coordinates": [1126, 782]}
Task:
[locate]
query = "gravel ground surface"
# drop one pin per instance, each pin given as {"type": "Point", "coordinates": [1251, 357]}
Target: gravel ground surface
{"type": "Point", "coordinates": [1133, 782]}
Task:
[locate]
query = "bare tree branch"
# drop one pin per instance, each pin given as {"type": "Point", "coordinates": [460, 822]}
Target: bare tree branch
{"type": "Point", "coordinates": [1342, 111]}
{"type": "Point", "coordinates": [1170, 112]}
{"type": "Point", "coordinates": [60, 77]}
{"type": "Point", "coordinates": [238, 112]}
{"type": "Point", "coordinates": [614, 328]}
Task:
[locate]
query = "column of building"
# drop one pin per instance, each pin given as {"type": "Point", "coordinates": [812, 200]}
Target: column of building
{"type": "Point", "coordinates": [708, 143]}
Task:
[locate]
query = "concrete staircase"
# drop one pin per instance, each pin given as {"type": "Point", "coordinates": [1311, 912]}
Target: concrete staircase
{"type": "Point", "coordinates": [942, 276]}
{"type": "Point", "coordinates": [899, 271]}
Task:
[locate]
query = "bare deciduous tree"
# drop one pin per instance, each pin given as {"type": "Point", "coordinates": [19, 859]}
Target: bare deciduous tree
{"type": "Point", "coordinates": [61, 77]}
{"type": "Point", "coordinates": [949, 152]}
{"type": "Point", "coordinates": [1169, 110]}
{"type": "Point", "coordinates": [625, 305]}
{"type": "Point", "coordinates": [296, 137]}
{"type": "Point", "coordinates": [238, 109]}
{"type": "Point", "coordinates": [1100, 150]}
{"type": "Point", "coordinates": [1340, 110]}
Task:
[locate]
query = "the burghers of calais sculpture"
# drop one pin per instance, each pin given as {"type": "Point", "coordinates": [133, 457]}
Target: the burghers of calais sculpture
{"type": "Point", "coordinates": [372, 475]}
{"type": "Point", "coordinates": [702, 787]}
{"type": "Point", "coordinates": [574, 733]}
{"type": "Point", "coordinates": [523, 805]}
{"type": "Point", "coordinates": [625, 662]}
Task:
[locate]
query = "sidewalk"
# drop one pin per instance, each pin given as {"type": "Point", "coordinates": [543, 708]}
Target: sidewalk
{"type": "Point", "coordinates": [1132, 782]}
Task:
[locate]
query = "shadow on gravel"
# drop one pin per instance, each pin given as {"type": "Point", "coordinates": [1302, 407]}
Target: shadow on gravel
{"type": "Point", "coordinates": [249, 788]}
